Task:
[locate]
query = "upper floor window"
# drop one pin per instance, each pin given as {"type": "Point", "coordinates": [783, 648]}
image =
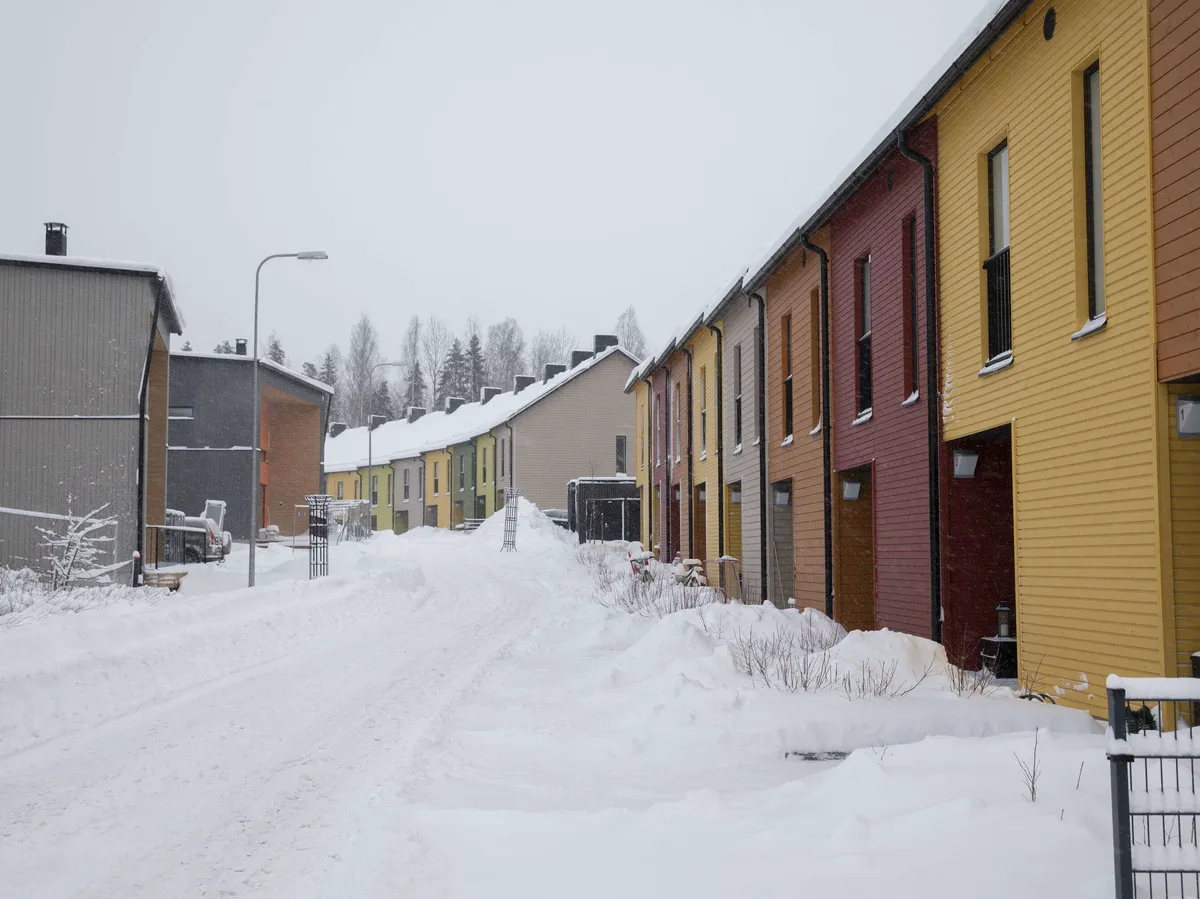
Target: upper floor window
{"type": "Point", "coordinates": [391, 496]}
{"type": "Point", "coordinates": [462, 472]}
{"type": "Point", "coordinates": [785, 333]}
{"type": "Point", "coordinates": [677, 443]}
{"type": "Point", "coordinates": [621, 445]}
{"type": "Point", "coordinates": [911, 342]}
{"type": "Point", "coordinates": [421, 483]}
{"type": "Point", "coordinates": [404, 485]}
{"type": "Point", "coordinates": [864, 334]}
{"type": "Point", "coordinates": [1095, 218]}
{"type": "Point", "coordinates": [485, 449]}
{"type": "Point", "coordinates": [374, 490]}
{"type": "Point", "coordinates": [654, 428]}
{"type": "Point", "coordinates": [814, 357]}
{"type": "Point", "coordinates": [999, 290]}
{"type": "Point", "coordinates": [341, 489]}
{"type": "Point", "coordinates": [181, 412]}
{"type": "Point", "coordinates": [435, 478]}
{"type": "Point", "coordinates": [358, 487]}
{"type": "Point", "coordinates": [703, 411]}
{"type": "Point", "coordinates": [737, 394]}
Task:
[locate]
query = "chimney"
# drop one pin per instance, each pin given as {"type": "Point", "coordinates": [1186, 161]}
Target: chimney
{"type": "Point", "coordinates": [578, 356]}
{"type": "Point", "coordinates": [603, 341]}
{"type": "Point", "coordinates": [336, 427]}
{"type": "Point", "coordinates": [453, 402]}
{"type": "Point", "coordinates": [56, 239]}
{"type": "Point", "coordinates": [487, 393]}
{"type": "Point", "coordinates": [551, 370]}
{"type": "Point", "coordinates": [240, 346]}
{"type": "Point", "coordinates": [520, 382]}
{"type": "Point", "coordinates": [415, 412]}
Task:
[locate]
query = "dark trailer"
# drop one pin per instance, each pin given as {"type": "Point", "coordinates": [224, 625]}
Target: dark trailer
{"type": "Point", "coordinates": [604, 508]}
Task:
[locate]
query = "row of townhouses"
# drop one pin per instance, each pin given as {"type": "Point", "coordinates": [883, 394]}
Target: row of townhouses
{"type": "Point", "coordinates": [964, 383]}
{"type": "Point", "coordinates": [446, 467]}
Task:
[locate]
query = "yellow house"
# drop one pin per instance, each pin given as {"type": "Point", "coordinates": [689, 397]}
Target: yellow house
{"type": "Point", "coordinates": [642, 431]}
{"type": "Point", "coordinates": [707, 486]}
{"type": "Point", "coordinates": [486, 474]}
{"type": "Point", "coordinates": [380, 481]}
{"type": "Point", "coordinates": [438, 504]}
{"type": "Point", "coordinates": [344, 484]}
{"type": "Point", "coordinates": [1054, 426]}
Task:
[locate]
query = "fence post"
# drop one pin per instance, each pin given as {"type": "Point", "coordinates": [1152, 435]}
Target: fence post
{"type": "Point", "coordinates": [1119, 784]}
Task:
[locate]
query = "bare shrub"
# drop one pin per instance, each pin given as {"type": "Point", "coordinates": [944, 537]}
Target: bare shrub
{"type": "Point", "coordinates": [1031, 771]}
{"type": "Point", "coordinates": [654, 596]}
{"type": "Point", "coordinates": [871, 681]}
{"type": "Point", "coordinates": [785, 659]}
{"type": "Point", "coordinates": [965, 682]}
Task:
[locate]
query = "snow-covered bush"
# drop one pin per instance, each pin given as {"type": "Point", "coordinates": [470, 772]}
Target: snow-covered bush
{"type": "Point", "coordinates": [73, 554]}
{"type": "Point", "coordinates": [24, 597]}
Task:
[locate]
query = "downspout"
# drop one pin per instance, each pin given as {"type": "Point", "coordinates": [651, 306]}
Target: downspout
{"type": "Point", "coordinates": [761, 434]}
{"type": "Point", "coordinates": [691, 471]}
{"type": "Point", "coordinates": [143, 399]}
{"type": "Point", "coordinates": [720, 380]}
{"type": "Point", "coordinates": [826, 421]}
{"type": "Point", "coordinates": [931, 402]}
{"type": "Point", "coordinates": [651, 440]}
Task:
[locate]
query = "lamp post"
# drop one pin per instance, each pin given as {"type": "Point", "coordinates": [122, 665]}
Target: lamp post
{"type": "Point", "coordinates": [254, 473]}
{"type": "Point", "coordinates": [371, 426]}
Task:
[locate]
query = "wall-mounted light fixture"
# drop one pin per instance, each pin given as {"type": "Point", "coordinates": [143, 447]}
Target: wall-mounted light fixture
{"type": "Point", "coordinates": [851, 490]}
{"type": "Point", "coordinates": [1187, 415]}
{"type": "Point", "coordinates": [965, 463]}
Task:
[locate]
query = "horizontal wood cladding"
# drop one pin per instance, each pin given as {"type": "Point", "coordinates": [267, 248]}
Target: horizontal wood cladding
{"type": "Point", "coordinates": [705, 469]}
{"type": "Point", "coordinates": [676, 368]}
{"type": "Point", "coordinates": [1175, 136]}
{"type": "Point", "coordinates": [742, 466]}
{"type": "Point", "coordinates": [878, 222]}
{"type": "Point", "coordinates": [790, 291]}
{"type": "Point", "coordinates": [1085, 473]}
{"type": "Point", "coordinates": [1184, 456]}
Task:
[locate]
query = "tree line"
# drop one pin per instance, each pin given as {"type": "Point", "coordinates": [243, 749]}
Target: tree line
{"type": "Point", "coordinates": [434, 362]}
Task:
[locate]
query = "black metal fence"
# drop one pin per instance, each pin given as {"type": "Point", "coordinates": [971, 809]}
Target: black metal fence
{"type": "Point", "coordinates": [177, 545]}
{"type": "Point", "coordinates": [1155, 804]}
{"type": "Point", "coordinates": [999, 304]}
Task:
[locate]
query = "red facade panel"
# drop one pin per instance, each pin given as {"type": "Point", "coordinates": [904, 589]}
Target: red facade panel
{"type": "Point", "coordinates": [880, 222]}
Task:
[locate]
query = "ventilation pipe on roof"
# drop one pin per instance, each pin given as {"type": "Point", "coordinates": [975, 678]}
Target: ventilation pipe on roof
{"type": "Point", "coordinates": [415, 412]}
{"type": "Point", "coordinates": [602, 342]}
{"type": "Point", "coordinates": [453, 402]}
{"type": "Point", "coordinates": [520, 382]}
{"type": "Point", "coordinates": [551, 370]}
{"type": "Point", "coordinates": [931, 388]}
{"type": "Point", "coordinates": [336, 427]}
{"type": "Point", "coordinates": [578, 356]}
{"type": "Point", "coordinates": [56, 239]}
{"type": "Point", "coordinates": [487, 393]}
{"type": "Point", "coordinates": [240, 346]}
{"type": "Point", "coordinates": [826, 444]}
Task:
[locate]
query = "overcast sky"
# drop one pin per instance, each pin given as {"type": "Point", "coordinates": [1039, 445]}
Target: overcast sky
{"type": "Point", "coordinates": [550, 160]}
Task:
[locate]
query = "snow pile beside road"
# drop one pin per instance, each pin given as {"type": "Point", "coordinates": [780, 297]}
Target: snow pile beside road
{"type": "Point", "coordinates": [534, 529]}
{"type": "Point", "coordinates": [25, 599]}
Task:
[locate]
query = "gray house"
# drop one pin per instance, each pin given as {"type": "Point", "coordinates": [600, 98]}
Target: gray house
{"type": "Point", "coordinates": [211, 429]}
{"type": "Point", "coordinates": [84, 362]}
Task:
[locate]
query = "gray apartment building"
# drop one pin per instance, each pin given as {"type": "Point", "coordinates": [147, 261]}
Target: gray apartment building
{"type": "Point", "coordinates": [84, 364]}
{"type": "Point", "coordinates": [211, 432]}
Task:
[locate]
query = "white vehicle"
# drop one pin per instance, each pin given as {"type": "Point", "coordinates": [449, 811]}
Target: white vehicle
{"type": "Point", "coordinates": [217, 541]}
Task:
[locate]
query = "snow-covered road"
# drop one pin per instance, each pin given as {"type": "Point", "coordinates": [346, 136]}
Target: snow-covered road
{"type": "Point", "coordinates": [441, 720]}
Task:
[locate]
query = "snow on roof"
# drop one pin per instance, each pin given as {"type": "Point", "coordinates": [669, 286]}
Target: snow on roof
{"type": "Point", "coordinates": [112, 265]}
{"type": "Point", "coordinates": [915, 105]}
{"type": "Point", "coordinates": [266, 363]}
{"type": "Point", "coordinates": [438, 430]}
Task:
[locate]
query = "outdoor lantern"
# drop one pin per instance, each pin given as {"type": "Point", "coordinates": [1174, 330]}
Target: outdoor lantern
{"type": "Point", "coordinates": [964, 463]}
{"type": "Point", "coordinates": [851, 490]}
{"type": "Point", "coordinates": [1004, 621]}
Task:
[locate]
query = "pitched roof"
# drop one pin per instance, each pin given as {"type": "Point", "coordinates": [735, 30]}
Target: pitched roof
{"type": "Point", "coordinates": [438, 430]}
{"type": "Point", "coordinates": [265, 363]}
{"type": "Point", "coordinates": [163, 283]}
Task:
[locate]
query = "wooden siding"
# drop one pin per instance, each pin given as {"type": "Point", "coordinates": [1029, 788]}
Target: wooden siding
{"type": "Point", "coordinates": [1185, 535]}
{"type": "Point", "coordinates": [742, 463]}
{"type": "Point", "coordinates": [572, 432]}
{"type": "Point", "coordinates": [642, 460]}
{"type": "Point", "coordinates": [1175, 136]}
{"type": "Point", "coordinates": [1083, 412]}
{"type": "Point", "coordinates": [440, 497]}
{"type": "Point", "coordinates": [790, 292]}
{"type": "Point", "coordinates": [408, 513]}
{"type": "Point", "coordinates": [486, 487]}
{"type": "Point", "coordinates": [895, 440]}
{"type": "Point", "coordinates": [705, 468]}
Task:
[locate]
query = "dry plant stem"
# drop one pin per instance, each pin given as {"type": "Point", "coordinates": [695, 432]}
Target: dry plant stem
{"type": "Point", "coordinates": [1030, 771]}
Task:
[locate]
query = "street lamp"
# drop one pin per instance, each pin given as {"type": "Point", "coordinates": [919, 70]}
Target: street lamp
{"type": "Point", "coordinates": [254, 450]}
{"type": "Point", "coordinates": [371, 426]}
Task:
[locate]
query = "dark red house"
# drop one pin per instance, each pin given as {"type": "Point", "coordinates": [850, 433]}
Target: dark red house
{"type": "Point", "coordinates": [879, 410]}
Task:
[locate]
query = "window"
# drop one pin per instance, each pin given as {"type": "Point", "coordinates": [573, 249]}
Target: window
{"type": "Point", "coordinates": [1095, 218]}
{"type": "Point", "coordinates": [999, 297]}
{"type": "Point", "coordinates": [485, 466]}
{"type": "Point", "coordinates": [391, 490]}
{"type": "Point", "coordinates": [435, 477]}
{"type": "Point", "coordinates": [621, 454]}
{"type": "Point", "coordinates": [421, 483]}
{"type": "Point", "coordinates": [341, 489]}
{"type": "Point", "coordinates": [462, 473]}
{"type": "Point", "coordinates": [358, 487]}
{"type": "Point", "coordinates": [404, 486]}
{"type": "Point", "coordinates": [503, 456]}
{"type": "Point", "coordinates": [181, 412]}
{"type": "Point", "coordinates": [737, 395]}
{"type": "Point", "coordinates": [814, 354]}
{"type": "Point", "coordinates": [703, 411]}
{"type": "Point", "coordinates": [654, 432]}
{"type": "Point", "coordinates": [641, 445]}
{"type": "Point", "coordinates": [864, 335]}
{"type": "Point", "coordinates": [912, 365]}
{"type": "Point", "coordinates": [374, 490]}
{"type": "Point", "coordinates": [786, 337]}
{"type": "Point", "coordinates": [677, 445]}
